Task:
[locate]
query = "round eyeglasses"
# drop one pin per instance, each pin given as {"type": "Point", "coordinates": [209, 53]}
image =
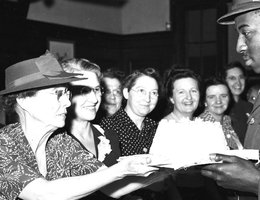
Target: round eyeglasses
{"type": "Point", "coordinates": [142, 92]}
{"type": "Point", "coordinates": [116, 92]}
{"type": "Point", "coordinates": [62, 93]}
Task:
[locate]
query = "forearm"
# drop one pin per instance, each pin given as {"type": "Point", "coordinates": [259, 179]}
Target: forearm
{"type": "Point", "coordinates": [130, 184]}
{"type": "Point", "coordinates": [71, 187]}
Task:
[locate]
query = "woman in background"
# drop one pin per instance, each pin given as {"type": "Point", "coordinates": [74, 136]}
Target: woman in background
{"type": "Point", "coordinates": [182, 87]}
{"type": "Point", "coordinates": [112, 97]}
{"type": "Point", "coordinates": [235, 76]}
{"type": "Point", "coordinates": [216, 101]}
{"type": "Point", "coordinates": [183, 93]}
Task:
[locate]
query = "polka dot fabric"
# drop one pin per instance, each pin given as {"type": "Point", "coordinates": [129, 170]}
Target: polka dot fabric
{"type": "Point", "coordinates": [132, 140]}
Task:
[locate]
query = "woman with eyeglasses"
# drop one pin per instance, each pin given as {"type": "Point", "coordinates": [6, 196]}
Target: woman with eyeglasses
{"type": "Point", "coordinates": [112, 96]}
{"type": "Point", "coordinates": [134, 129]}
{"type": "Point", "coordinates": [112, 84]}
{"type": "Point", "coordinates": [37, 91]}
{"type": "Point", "coordinates": [86, 99]}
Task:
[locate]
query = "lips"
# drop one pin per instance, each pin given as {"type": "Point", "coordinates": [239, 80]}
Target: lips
{"type": "Point", "coordinates": [247, 59]}
{"type": "Point", "coordinates": [245, 56]}
{"type": "Point", "coordinates": [188, 103]}
{"type": "Point", "coordinates": [65, 113]}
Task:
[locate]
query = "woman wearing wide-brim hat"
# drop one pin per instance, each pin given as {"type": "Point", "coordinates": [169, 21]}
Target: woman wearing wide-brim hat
{"type": "Point", "coordinates": [36, 89]}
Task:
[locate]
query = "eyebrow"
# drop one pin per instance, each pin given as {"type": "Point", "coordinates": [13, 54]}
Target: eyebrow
{"type": "Point", "coordinates": [242, 26]}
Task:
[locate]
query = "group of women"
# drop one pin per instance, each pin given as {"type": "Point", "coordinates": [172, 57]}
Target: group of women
{"type": "Point", "coordinates": [45, 156]}
{"type": "Point", "coordinates": [37, 163]}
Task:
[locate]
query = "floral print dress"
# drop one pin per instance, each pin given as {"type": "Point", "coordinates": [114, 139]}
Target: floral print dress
{"type": "Point", "coordinates": [18, 166]}
{"type": "Point", "coordinates": [230, 135]}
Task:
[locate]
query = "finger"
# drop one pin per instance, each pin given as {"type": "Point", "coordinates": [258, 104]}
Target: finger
{"type": "Point", "coordinates": [210, 174]}
{"type": "Point", "coordinates": [211, 167]}
{"type": "Point", "coordinates": [224, 158]}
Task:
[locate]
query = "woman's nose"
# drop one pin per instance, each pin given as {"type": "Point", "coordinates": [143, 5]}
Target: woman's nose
{"type": "Point", "coordinates": [219, 100]}
{"type": "Point", "coordinates": [189, 95]}
{"type": "Point", "coordinates": [148, 96]}
{"type": "Point", "coordinates": [65, 100]}
{"type": "Point", "coordinates": [93, 97]}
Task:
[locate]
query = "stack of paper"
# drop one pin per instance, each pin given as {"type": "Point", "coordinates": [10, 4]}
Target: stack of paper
{"type": "Point", "coordinates": [189, 143]}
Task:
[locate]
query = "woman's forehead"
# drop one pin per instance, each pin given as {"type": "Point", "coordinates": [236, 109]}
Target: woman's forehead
{"type": "Point", "coordinates": [217, 88]}
{"type": "Point", "coordinates": [183, 82]}
{"type": "Point", "coordinates": [146, 81]}
{"type": "Point", "coordinates": [91, 80]}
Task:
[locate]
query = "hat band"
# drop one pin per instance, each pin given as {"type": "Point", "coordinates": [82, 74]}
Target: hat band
{"type": "Point", "coordinates": [239, 5]}
{"type": "Point", "coordinates": [25, 79]}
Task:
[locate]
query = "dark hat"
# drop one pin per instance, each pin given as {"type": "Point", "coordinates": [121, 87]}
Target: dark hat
{"type": "Point", "coordinates": [239, 7]}
{"type": "Point", "coordinates": [39, 72]}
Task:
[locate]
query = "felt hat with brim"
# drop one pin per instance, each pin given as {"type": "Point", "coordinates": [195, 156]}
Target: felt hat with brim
{"type": "Point", "coordinates": [239, 7]}
{"type": "Point", "coordinates": [44, 71]}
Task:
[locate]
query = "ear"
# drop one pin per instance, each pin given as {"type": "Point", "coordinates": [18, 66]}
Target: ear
{"type": "Point", "coordinates": [171, 100]}
{"type": "Point", "coordinates": [24, 103]}
{"type": "Point", "coordinates": [206, 105]}
{"type": "Point", "coordinates": [125, 93]}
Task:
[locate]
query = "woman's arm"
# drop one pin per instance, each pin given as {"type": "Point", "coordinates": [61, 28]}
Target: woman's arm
{"type": "Point", "coordinates": [80, 186]}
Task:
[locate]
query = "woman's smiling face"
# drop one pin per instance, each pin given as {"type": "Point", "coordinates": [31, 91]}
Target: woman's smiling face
{"type": "Point", "coordinates": [185, 96]}
{"type": "Point", "coordinates": [217, 99]}
{"type": "Point", "coordinates": [88, 99]}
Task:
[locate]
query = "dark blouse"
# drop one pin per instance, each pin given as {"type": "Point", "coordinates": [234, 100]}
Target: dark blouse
{"type": "Point", "coordinates": [132, 140]}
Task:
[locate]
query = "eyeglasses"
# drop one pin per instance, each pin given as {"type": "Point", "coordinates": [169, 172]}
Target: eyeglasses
{"type": "Point", "coordinates": [84, 90]}
{"type": "Point", "coordinates": [116, 92]}
{"type": "Point", "coordinates": [142, 92]}
{"type": "Point", "coordinates": [62, 93]}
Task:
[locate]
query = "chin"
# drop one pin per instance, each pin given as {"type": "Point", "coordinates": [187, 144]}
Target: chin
{"type": "Point", "coordinates": [59, 125]}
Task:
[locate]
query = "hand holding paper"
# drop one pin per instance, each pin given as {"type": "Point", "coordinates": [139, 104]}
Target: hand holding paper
{"type": "Point", "coordinates": [233, 172]}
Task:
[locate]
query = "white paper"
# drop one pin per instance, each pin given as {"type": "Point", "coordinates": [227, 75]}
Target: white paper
{"type": "Point", "coordinates": [189, 143]}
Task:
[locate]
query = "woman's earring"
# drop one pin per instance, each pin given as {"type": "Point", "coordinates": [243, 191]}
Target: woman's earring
{"type": "Point", "coordinates": [205, 104]}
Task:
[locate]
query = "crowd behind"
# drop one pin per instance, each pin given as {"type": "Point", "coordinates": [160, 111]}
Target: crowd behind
{"type": "Point", "coordinates": [98, 117]}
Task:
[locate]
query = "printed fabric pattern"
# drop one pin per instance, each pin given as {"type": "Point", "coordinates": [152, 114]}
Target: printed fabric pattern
{"type": "Point", "coordinates": [66, 158]}
{"type": "Point", "coordinates": [18, 165]}
{"type": "Point", "coordinates": [230, 135]}
{"type": "Point", "coordinates": [132, 140]}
